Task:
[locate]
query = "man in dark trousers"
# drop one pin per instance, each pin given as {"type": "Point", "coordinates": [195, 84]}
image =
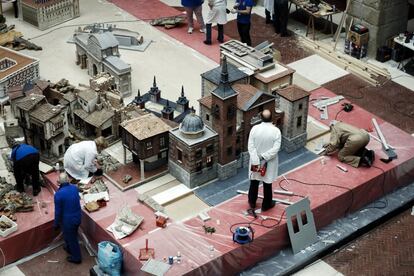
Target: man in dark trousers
{"type": "Point", "coordinates": [68, 217]}
{"type": "Point", "coordinates": [264, 144]}
{"type": "Point", "coordinates": [243, 8]}
{"type": "Point", "coordinates": [280, 20]}
{"type": "Point", "coordinates": [25, 162]}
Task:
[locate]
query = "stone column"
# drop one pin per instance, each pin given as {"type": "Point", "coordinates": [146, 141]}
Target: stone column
{"type": "Point", "coordinates": [141, 165]}
{"type": "Point", "coordinates": [125, 155]}
{"type": "Point", "coordinates": [383, 18]}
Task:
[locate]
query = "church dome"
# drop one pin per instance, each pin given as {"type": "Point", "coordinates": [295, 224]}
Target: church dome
{"type": "Point", "coordinates": [192, 125]}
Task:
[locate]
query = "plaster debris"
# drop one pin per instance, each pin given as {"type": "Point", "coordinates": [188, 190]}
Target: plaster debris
{"type": "Point", "coordinates": [108, 163]}
{"type": "Point", "coordinates": [127, 178]}
{"type": "Point", "coordinates": [150, 202]}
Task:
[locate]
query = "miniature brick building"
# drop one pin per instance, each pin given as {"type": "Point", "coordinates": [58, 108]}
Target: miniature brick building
{"type": "Point", "coordinates": [15, 69]}
{"type": "Point", "coordinates": [293, 101]}
{"type": "Point", "coordinates": [47, 13]}
{"type": "Point", "coordinates": [193, 152]}
{"type": "Point", "coordinates": [153, 102]}
{"type": "Point", "coordinates": [147, 137]}
{"type": "Point", "coordinates": [98, 52]}
{"type": "Point", "coordinates": [232, 110]}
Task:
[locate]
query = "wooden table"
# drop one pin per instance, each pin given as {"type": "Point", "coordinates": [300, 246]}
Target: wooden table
{"type": "Point", "coordinates": [322, 13]}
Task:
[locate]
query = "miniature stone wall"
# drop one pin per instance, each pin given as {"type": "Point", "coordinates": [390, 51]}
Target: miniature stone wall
{"type": "Point", "coordinates": [195, 179]}
{"type": "Point", "coordinates": [227, 171]}
{"type": "Point", "coordinates": [290, 145]}
{"type": "Point", "coordinates": [383, 18]}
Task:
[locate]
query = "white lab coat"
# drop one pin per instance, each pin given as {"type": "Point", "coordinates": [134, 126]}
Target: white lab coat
{"type": "Point", "coordinates": [264, 141]}
{"type": "Point", "coordinates": [218, 13]}
{"type": "Point", "coordinates": [80, 158]}
{"type": "Point", "coordinates": [269, 5]}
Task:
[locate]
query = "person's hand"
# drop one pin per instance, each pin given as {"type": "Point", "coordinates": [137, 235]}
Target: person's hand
{"type": "Point", "coordinates": [254, 168]}
{"type": "Point", "coordinates": [233, 11]}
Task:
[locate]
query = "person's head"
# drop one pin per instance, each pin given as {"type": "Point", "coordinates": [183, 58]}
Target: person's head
{"type": "Point", "coordinates": [266, 116]}
{"type": "Point", "coordinates": [101, 143]}
{"type": "Point", "coordinates": [63, 178]}
{"type": "Point", "coordinates": [11, 141]}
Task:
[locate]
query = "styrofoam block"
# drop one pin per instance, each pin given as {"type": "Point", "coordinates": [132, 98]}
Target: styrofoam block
{"type": "Point", "coordinates": [172, 194]}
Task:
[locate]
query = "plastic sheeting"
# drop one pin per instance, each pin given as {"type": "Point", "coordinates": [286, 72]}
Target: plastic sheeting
{"type": "Point", "coordinates": [35, 230]}
{"type": "Point", "coordinates": [217, 254]}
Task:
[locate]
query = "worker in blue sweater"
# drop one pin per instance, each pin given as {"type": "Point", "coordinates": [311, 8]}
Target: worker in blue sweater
{"type": "Point", "coordinates": [26, 162]}
{"type": "Point", "coordinates": [68, 217]}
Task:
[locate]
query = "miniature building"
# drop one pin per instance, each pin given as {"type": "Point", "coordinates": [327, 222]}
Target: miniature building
{"type": "Point", "coordinates": [232, 110]}
{"type": "Point", "coordinates": [147, 138]}
{"type": "Point", "coordinates": [210, 80]}
{"type": "Point", "coordinates": [47, 13]}
{"type": "Point", "coordinates": [257, 62]}
{"type": "Point", "coordinates": [154, 103]}
{"type": "Point", "coordinates": [98, 52]}
{"type": "Point", "coordinates": [193, 152]}
{"type": "Point", "coordinates": [15, 69]}
{"type": "Point", "coordinates": [45, 126]}
{"type": "Point", "coordinates": [293, 101]}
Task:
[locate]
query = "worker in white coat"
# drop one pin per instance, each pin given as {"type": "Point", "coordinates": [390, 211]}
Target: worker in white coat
{"type": "Point", "coordinates": [80, 158]}
{"type": "Point", "coordinates": [264, 144]}
{"type": "Point", "coordinates": [217, 14]}
{"type": "Point", "coordinates": [269, 7]}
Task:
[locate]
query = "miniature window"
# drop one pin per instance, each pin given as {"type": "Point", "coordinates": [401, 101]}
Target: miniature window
{"type": "Point", "coordinates": [300, 106]}
{"type": "Point", "coordinates": [209, 149]}
{"type": "Point", "coordinates": [149, 145]}
{"type": "Point", "coordinates": [198, 153]}
{"type": "Point", "coordinates": [229, 130]}
{"type": "Point", "coordinates": [207, 117]}
{"type": "Point", "coordinates": [261, 108]}
{"type": "Point", "coordinates": [229, 150]}
{"type": "Point", "coordinates": [209, 162]}
{"type": "Point", "coordinates": [162, 142]}
{"type": "Point", "coordinates": [199, 166]}
{"type": "Point", "coordinates": [299, 121]}
{"type": "Point", "coordinates": [179, 155]}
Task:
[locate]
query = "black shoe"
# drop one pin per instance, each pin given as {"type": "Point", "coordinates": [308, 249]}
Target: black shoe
{"type": "Point", "coordinates": [252, 205]}
{"type": "Point", "coordinates": [220, 40]}
{"type": "Point", "coordinates": [36, 192]}
{"type": "Point", "coordinates": [207, 42]}
{"type": "Point", "coordinates": [265, 208]}
{"type": "Point", "coordinates": [365, 162]}
{"type": "Point", "coordinates": [69, 259]}
{"type": "Point", "coordinates": [371, 156]}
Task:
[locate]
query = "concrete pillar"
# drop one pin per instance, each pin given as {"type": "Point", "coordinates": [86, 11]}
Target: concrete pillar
{"type": "Point", "coordinates": [125, 156]}
{"type": "Point", "coordinates": [383, 18]}
{"type": "Point", "coordinates": [141, 166]}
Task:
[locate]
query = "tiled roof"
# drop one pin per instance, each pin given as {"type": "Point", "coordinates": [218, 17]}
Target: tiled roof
{"type": "Point", "coordinates": [145, 126]}
{"type": "Point", "coordinates": [206, 101]}
{"type": "Point", "coordinates": [45, 112]}
{"type": "Point", "coordinates": [99, 117]}
{"type": "Point", "coordinates": [28, 102]}
{"type": "Point", "coordinates": [246, 93]}
{"type": "Point", "coordinates": [293, 93]}
{"type": "Point", "coordinates": [87, 94]}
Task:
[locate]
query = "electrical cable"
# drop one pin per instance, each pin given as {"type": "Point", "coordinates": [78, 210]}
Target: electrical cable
{"type": "Point", "coordinates": [261, 224]}
{"type": "Point", "coordinates": [385, 202]}
{"type": "Point", "coordinates": [337, 113]}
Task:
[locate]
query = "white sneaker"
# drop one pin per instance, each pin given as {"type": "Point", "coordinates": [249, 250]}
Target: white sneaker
{"type": "Point", "coordinates": [203, 30]}
{"type": "Point", "coordinates": [190, 30]}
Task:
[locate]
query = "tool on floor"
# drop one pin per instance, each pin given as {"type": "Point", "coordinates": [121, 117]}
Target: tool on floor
{"type": "Point", "coordinates": [204, 216]}
{"type": "Point", "coordinates": [146, 253]}
{"type": "Point", "coordinates": [286, 202]}
{"type": "Point", "coordinates": [243, 235]}
{"type": "Point", "coordinates": [341, 168]}
{"type": "Point", "coordinates": [385, 147]}
{"type": "Point", "coordinates": [347, 107]}
{"type": "Point", "coordinates": [282, 192]}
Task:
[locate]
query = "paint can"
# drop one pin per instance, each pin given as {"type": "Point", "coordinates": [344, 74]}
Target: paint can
{"type": "Point", "coordinates": [171, 260]}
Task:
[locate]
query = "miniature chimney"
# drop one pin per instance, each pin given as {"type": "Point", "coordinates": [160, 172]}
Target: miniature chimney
{"type": "Point", "coordinates": [167, 112]}
{"type": "Point", "coordinates": [182, 102]}
{"type": "Point", "coordinates": [99, 103]}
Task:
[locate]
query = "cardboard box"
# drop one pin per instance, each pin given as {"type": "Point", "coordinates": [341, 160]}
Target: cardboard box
{"type": "Point", "coordinates": [358, 39]}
